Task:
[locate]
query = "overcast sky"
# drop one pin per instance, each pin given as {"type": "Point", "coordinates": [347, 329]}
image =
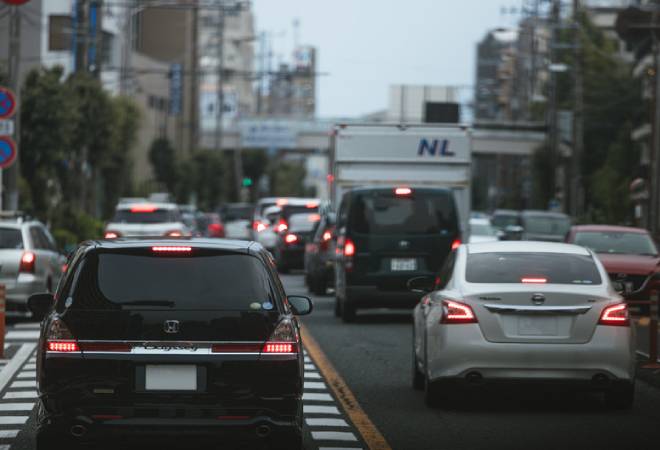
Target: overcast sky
{"type": "Point", "coordinates": [366, 45]}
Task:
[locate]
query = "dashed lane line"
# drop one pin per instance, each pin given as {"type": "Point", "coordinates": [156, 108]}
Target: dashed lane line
{"type": "Point", "coordinates": [8, 372]}
{"type": "Point", "coordinates": [370, 434]}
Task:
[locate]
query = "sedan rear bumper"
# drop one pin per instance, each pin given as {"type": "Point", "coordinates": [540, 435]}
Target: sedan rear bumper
{"type": "Point", "coordinates": [462, 352]}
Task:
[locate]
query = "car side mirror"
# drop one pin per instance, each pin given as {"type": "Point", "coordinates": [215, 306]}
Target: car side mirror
{"type": "Point", "coordinates": [40, 305]}
{"type": "Point", "coordinates": [300, 305]}
{"type": "Point", "coordinates": [421, 285]}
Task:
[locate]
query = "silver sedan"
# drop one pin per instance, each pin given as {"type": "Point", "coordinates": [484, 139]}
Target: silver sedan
{"type": "Point", "coordinates": [522, 311]}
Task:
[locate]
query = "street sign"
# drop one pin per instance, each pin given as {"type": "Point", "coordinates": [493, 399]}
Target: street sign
{"type": "Point", "coordinates": [7, 103]}
{"type": "Point", "coordinates": [7, 152]}
{"type": "Point", "coordinates": [6, 127]}
{"type": "Point", "coordinates": [15, 2]}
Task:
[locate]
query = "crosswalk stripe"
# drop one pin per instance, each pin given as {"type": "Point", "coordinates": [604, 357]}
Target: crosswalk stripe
{"type": "Point", "coordinates": [314, 409]}
{"type": "Point", "coordinates": [333, 436]}
{"type": "Point", "coordinates": [313, 375]}
{"type": "Point", "coordinates": [22, 335]}
{"type": "Point", "coordinates": [8, 434]}
{"type": "Point", "coordinates": [325, 422]}
{"type": "Point", "coordinates": [317, 385]}
{"type": "Point", "coordinates": [23, 384]}
{"type": "Point", "coordinates": [30, 367]}
{"type": "Point", "coordinates": [317, 397]}
{"type": "Point", "coordinates": [27, 374]}
{"type": "Point", "coordinates": [16, 406]}
{"type": "Point", "coordinates": [20, 394]}
{"type": "Point", "coordinates": [310, 367]}
{"type": "Point", "coordinates": [31, 325]}
{"type": "Point", "coordinates": [13, 420]}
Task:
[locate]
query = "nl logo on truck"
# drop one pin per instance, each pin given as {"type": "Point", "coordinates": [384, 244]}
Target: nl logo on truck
{"type": "Point", "coordinates": [434, 147]}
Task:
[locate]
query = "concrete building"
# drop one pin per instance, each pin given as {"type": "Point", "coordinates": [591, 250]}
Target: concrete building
{"type": "Point", "coordinates": [292, 88]}
{"type": "Point", "coordinates": [407, 103]}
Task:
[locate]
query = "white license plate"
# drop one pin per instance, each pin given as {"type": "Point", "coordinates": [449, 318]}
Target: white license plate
{"type": "Point", "coordinates": [403, 264]}
{"type": "Point", "coordinates": [538, 326]}
{"type": "Point", "coordinates": [171, 378]}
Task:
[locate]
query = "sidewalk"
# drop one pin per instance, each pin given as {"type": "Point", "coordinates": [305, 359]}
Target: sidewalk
{"type": "Point", "coordinates": [650, 375]}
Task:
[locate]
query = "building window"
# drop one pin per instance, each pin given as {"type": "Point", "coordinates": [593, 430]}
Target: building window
{"type": "Point", "coordinates": [60, 29]}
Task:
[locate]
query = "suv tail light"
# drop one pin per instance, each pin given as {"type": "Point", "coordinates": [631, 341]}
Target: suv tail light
{"type": "Point", "coordinates": [615, 315]}
{"type": "Point", "coordinates": [281, 226]}
{"type": "Point", "coordinates": [60, 339]}
{"type": "Point", "coordinates": [290, 238]}
{"type": "Point", "coordinates": [28, 261]}
{"type": "Point", "coordinates": [456, 243]}
{"type": "Point", "coordinates": [284, 339]}
{"type": "Point", "coordinates": [346, 248]}
{"type": "Point", "coordinates": [457, 313]}
{"type": "Point", "coordinates": [325, 240]}
{"type": "Point", "coordinates": [111, 235]}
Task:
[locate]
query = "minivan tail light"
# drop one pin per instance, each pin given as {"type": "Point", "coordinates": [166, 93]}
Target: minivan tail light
{"type": "Point", "coordinates": [28, 260]}
{"type": "Point", "coordinates": [59, 338]}
{"type": "Point", "coordinates": [455, 244]}
{"type": "Point", "coordinates": [349, 248]}
{"type": "Point", "coordinates": [457, 313]}
{"type": "Point", "coordinates": [615, 315]}
{"type": "Point", "coordinates": [284, 339]}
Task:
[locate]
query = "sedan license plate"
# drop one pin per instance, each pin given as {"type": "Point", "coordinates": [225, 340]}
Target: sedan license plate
{"type": "Point", "coordinates": [403, 264]}
{"type": "Point", "coordinates": [538, 326]}
{"type": "Point", "coordinates": [171, 378]}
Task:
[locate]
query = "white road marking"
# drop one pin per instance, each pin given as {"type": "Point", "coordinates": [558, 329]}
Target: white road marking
{"type": "Point", "coordinates": [16, 406]}
{"type": "Point", "coordinates": [27, 374]}
{"type": "Point", "coordinates": [313, 375]}
{"type": "Point", "coordinates": [20, 394]}
{"type": "Point", "coordinates": [317, 385]}
{"type": "Point", "coordinates": [30, 366]}
{"type": "Point", "coordinates": [31, 325]}
{"type": "Point", "coordinates": [310, 367]}
{"type": "Point", "coordinates": [333, 436]}
{"type": "Point", "coordinates": [23, 384]}
{"type": "Point", "coordinates": [308, 359]}
{"type": "Point", "coordinates": [8, 372]}
{"type": "Point", "coordinates": [317, 397]}
{"type": "Point", "coordinates": [13, 420]}
{"type": "Point", "coordinates": [8, 434]}
{"type": "Point", "coordinates": [326, 422]}
{"type": "Point", "coordinates": [24, 335]}
{"type": "Point", "coordinates": [314, 409]}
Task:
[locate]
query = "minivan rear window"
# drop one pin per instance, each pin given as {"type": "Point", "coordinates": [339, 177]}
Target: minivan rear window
{"type": "Point", "coordinates": [228, 282]}
{"type": "Point", "coordinates": [422, 212]}
{"type": "Point", "coordinates": [550, 268]}
{"type": "Point", "coordinates": [11, 238]}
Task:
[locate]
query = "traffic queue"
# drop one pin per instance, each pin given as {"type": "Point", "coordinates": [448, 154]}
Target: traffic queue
{"type": "Point", "coordinates": [178, 322]}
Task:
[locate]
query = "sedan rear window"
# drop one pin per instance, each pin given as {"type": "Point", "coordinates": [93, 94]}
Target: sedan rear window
{"type": "Point", "coordinates": [156, 216]}
{"type": "Point", "coordinates": [551, 268]}
{"type": "Point", "coordinates": [207, 281]}
{"type": "Point", "coordinates": [11, 238]}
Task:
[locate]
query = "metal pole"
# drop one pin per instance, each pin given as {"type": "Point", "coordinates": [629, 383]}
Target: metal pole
{"type": "Point", "coordinates": [578, 115]}
{"type": "Point", "coordinates": [221, 68]}
{"type": "Point", "coordinates": [552, 107]}
{"type": "Point", "coordinates": [11, 175]}
{"type": "Point", "coordinates": [655, 150]}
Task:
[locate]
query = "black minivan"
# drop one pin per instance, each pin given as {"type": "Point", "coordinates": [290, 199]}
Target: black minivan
{"type": "Point", "coordinates": [186, 338]}
{"type": "Point", "coordinates": [386, 236]}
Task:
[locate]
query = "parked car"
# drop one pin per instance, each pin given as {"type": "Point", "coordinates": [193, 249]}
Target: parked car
{"type": "Point", "coordinates": [320, 254]}
{"type": "Point", "coordinates": [630, 256]}
{"type": "Point", "coordinates": [146, 219]}
{"type": "Point", "coordinates": [385, 236]}
{"type": "Point", "coordinates": [290, 248]}
{"type": "Point", "coordinates": [544, 226]}
{"type": "Point", "coordinates": [522, 311]}
{"type": "Point", "coordinates": [142, 329]}
{"type": "Point", "coordinates": [30, 262]}
{"type": "Point", "coordinates": [481, 230]}
{"type": "Point", "coordinates": [237, 219]}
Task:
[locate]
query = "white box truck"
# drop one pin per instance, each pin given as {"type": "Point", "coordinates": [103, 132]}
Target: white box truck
{"type": "Point", "coordinates": [425, 155]}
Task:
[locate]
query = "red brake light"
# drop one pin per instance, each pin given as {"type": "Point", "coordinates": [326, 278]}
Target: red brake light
{"type": "Point", "coordinates": [259, 226]}
{"type": "Point", "coordinates": [312, 205]}
{"type": "Point", "coordinates": [455, 244]}
{"type": "Point", "coordinates": [63, 346]}
{"type": "Point", "coordinates": [291, 238]}
{"type": "Point", "coordinates": [172, 249]}
{"type": "Point", "coordinates": [174, 233]}
{"type": "Point", "coordinates": [279, 347]}
{"type": "Point", "coordinates": [111, 235]}
{"type": "Point", "coordinates": [282, 202]}
{"type": "Point", "coordinates": [27, 262]}
{"type": "Point", "coordinates": [533, 280]}
{"type": "Point", "coordinates": [216, 230]}
{"type": "Point", "coordinates": [615, 315]}
{"type": "Point", "coordinates": [403, 191]}
{"type": "Point", "coordinates": [349, 248]}
{"type": "Point", "coordinates": [143, 208]}
{"type": "Point", "coordinates": [314, 217]}
{"type": "Point", "coordinates": [282, 226]}
{"type": "Point", "coordinates": [327, 235]}
{"type": "Point", "coordinates": [457, 313]}
{"type": "Point", "coordinates": [284, 339]}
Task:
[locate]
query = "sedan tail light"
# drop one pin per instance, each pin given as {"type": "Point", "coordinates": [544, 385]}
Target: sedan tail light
{"type": "Point", "coordinates": [259, 226]}
{"type": "Point", "coordinates": [284, 340]}
{"type": "Point", "coordinates": [111, 235]}
{"type": "Point", "coordinates": [291, 238]}
{"type": "Point", "coordinates": [60, 339]}
{"type": "Point", "coordinates": [615, 315]}
{"type": "Point", "coordinates": [216, 230]}
{"type": "Point", "coordinates": [281, 226]}
{"type": "Point", "coordinates": [457, 313]}
{"type": "Point", "coordinates": [28, 261]}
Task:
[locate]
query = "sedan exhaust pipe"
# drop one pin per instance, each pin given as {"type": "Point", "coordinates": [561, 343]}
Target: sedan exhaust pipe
{"type": "Point", "coordinates": [78, 431]}
{"type": "Point", "coordinates": [263, 431]}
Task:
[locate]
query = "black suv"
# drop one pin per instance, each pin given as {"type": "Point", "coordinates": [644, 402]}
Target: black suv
{"type": "Point", "coordinates": [386, 236]}
{"type": "Point", "coordinates": [168, 338]}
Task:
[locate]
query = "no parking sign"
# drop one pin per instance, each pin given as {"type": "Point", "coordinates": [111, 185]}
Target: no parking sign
{"type": "Point", "coordinates": [7, 152]}
{"type": "Point", "coordinates": [7, 103]}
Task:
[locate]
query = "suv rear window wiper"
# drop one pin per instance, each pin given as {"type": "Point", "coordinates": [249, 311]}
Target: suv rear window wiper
{"type": "Point", "coordinates": [167, 303]}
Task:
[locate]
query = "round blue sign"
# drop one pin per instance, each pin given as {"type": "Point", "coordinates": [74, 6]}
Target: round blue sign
{"type": "Point", "coordinates": [7, 103]}
{"type": "Point", "coordinates": [7, 152]}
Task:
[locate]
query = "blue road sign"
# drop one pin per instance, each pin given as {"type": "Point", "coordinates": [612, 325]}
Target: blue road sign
{"type": "Point", "coordinates": [7, 103]}
{"type": "Point", "coordinates": [7, 152]}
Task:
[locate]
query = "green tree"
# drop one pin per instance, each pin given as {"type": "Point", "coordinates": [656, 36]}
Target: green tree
{"type": "Point", "coordinates": [162, 157]}
{"type": "Point", "coordinates": [287, 179]}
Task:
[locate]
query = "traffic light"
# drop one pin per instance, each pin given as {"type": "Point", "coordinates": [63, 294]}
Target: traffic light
{"type": "Point", "coordinates": [247, 182]}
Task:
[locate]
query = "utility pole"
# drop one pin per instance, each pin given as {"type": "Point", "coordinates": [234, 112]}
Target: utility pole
{"type": "Point", "coordinates": [578, 114]}
{"type": "Point", "coordinates": [654, 197]}
{"type": "Point", "coordinates": [221, 69]}
{"type": "Point", "coordinates": [11, 174]}
{"type": "Point", "coordinates": [551, 119]}
{"type": "Point", "coordinates": [81, 44]}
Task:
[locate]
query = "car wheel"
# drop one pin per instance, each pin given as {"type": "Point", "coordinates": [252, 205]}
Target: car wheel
{"type": "Point", "coordinates": [621, 396]}
{"type": "Point", "coordinates": [417, 375]}
{"type": "Point", "coordinates": [348, 310]}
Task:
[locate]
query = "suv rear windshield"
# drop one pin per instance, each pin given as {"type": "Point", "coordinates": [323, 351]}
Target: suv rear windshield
{"type": "Point", "coordinates": [551, 268]}
{"type": "Point", "coordinates": [558, 226]}
{"type": "Point", "coordinates": [157, 216]}
{"type": "Point", "coordinates": [385, 213]}
{"type": "Point", "coordinates": [206, 281]}
{"type": "Point", "coordinates": [11, 238]}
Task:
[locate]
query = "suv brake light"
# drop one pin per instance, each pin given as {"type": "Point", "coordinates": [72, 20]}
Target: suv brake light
{"type": "Point", "coordinates": [171, 249]}
{"type": "Point", "coordinates": [455, 244]}
{"type": "Point", "coordinates": [28, 261]}
{"type": "Point", "coordinates": [457, 313]}
{"type": "Point", "coordinates": [60, 339]}
{"type": "Point", "coordinates": [615, 315]}
{"type": "Point", "coordinates": [284, 339]}
{"type": "Point", "coordinates": [259, 226]}
{"type": "Point", "coordinates": [111, 235]}
{"type": "Point", "coordinates": [291, 238]}
{"type": "Point", "coordinates": [349, 248]}
{"type": "Point", "coordinates": [281, 226]}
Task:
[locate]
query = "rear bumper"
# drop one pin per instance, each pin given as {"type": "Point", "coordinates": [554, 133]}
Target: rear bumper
{"type": "Point", "coordinates": [292, 258]}
{"type": "Point", "coordinates": [371, 297]}
{"type": "Point", "coordinates": [455, 351]}
{"type": "Point", "coordinates": [18, 292]}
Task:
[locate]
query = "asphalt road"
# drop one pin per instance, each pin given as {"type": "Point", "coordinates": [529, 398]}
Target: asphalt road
{"type": "Point", "coordinates": [373, 356]}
